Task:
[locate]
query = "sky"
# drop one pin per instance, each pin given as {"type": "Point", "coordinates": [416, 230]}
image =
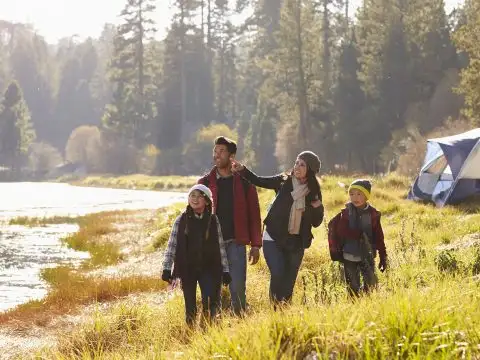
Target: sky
{"type": "Point", "coordinates": [54, 19]}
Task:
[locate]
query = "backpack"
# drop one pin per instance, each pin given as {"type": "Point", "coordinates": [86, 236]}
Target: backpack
{"type": "Point", "coordinates": [335, 243]}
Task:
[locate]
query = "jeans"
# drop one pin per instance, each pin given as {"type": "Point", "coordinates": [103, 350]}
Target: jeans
{"type": "Point", "coordinates": [283, 265]}
{"type": "Point", "coordinates": [210, 290]}
{"type": "Point", "coordinates": [237, 263]}
{"type": "Point", "coordinates": [353, 270]}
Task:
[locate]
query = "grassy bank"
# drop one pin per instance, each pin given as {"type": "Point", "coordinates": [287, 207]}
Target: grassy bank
{"type": "Point", "coordinates": [43, 221]}
{"type": "Point", "coordinates": [71, 288]}
{"type": "Point", "coordinates": [136, 181]}
{"type": "Point", "coordinates": [88, 237]}
{"type": "Point", "coordinates": [426, 305]}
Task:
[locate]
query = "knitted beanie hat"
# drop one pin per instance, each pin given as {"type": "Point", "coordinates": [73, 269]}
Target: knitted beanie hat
{"type": "Point", "coordinates": [207, 193]}
{"type": "Point", "coordinates": [311, 159]}
{"type": "Point", "coordinates": [365, 186]}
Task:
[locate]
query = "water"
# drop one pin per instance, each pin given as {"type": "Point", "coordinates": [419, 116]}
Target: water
{"type": "Point", "coordinates": [24, 251]}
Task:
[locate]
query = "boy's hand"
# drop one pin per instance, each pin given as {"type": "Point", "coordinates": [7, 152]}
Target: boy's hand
{"type": "Point", "coordinates": [382, 265]}
{"type": "Point", "coordinates": [316, 203]}
{"type": "Point", "coordinates": [254, 255]}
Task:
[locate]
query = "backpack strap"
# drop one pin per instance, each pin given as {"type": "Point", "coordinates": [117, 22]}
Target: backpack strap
{"type": "Point", "coordinates": [245, 184]}
{"type": "Point", "coordinates": [205, 180]}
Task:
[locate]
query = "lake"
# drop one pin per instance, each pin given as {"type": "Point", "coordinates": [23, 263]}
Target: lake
{"type": "Point", "coordinates": [24, 251]}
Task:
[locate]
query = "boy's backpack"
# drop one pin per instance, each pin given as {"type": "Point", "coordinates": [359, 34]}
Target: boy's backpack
{"type": "Point", "coordinates": [335, 243]}
{"type": "Point", "coordinates": [245, 183]}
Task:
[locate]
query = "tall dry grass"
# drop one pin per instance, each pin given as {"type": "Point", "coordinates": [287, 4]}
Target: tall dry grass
{"type": "Point", "coordinates": [426, 305]}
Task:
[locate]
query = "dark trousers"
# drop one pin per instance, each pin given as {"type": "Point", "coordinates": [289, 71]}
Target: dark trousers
{"type": "Point", "coordinates": [353, 271]}
{"type": "Point", "coordinates": [283, 265]}
{"type": "Point", "coordinates": [210, 287]}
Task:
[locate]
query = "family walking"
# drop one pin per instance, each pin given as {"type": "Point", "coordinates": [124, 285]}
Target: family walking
{"type": "Point", "coordinates": [208, 242]}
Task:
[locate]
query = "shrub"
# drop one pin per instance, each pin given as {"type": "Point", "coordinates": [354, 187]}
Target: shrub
{"type": "Point", "coordinates": [415, 145]}
{"type": "Point", "coordinates": [43, 157]}
{"type": "Point", "coordinates": [147, 159]}
{"type": "Point", "coordinates": [446, 262]}
{"type": "Point", "coordinates": [198, 152]}
{"type": "Point", "coordinates": [85, 146]}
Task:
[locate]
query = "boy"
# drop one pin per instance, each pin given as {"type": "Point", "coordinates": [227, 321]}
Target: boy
{"type": "Point", "coordinates": [197, 250]}
{"type": "Point", "coordinates": [361, 235]}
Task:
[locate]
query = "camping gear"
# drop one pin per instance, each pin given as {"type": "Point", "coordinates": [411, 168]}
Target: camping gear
{"type": "Point", "coordinates": [451, 169]}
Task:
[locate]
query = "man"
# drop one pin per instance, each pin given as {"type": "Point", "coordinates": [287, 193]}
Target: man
{"type": "Point", "coordinates": [235, 202]}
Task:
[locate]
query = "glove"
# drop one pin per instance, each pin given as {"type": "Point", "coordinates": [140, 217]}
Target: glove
{"type": "Point", "coordinates": [382, 265]}
{"type": "Point", "coordinates": [167, 276]}
{"type": "Point", "coordinates": [226, 278]}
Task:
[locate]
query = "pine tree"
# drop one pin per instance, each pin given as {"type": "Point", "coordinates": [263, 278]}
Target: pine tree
{"type": "Point", "coordinates": [132, 111]}
{"type": "Point", "coordinates": [16, 129]}
{"type": "Point", "coordinates": [75, 105]}
{"type": "Point", "coordinates": [467, 40]}
{"type": "Point", "coordinates": [384, 74]}
{"type": "Point", "coordinates": [349, 102]}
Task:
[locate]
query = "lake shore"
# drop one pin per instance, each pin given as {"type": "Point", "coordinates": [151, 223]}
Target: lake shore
{"type": "Point", "coordinates": [134, 182]}
{"type": "Point", "coordinates": [124, 266]}
{"type": "Point", "coordinates": [425, 306]}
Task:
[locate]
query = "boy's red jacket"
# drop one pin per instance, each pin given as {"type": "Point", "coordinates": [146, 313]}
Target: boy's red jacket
{"type": "Point", "coordinates": [339, 225]}
{"type": "Point", "coordinates": [246, 209]}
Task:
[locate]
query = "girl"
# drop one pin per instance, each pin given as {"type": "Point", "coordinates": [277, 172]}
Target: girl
{"type": "Point", "coordinates": [196, 249]}
{"type": "Point", "coordinates": [288, 225]}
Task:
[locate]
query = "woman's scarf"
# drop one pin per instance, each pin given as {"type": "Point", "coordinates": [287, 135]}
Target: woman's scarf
{"type": "Point", "coordinates": [298, 207]}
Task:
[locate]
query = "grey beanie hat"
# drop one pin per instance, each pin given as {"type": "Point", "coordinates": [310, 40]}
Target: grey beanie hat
{"type": "Point", "coordinates": [312, 160]}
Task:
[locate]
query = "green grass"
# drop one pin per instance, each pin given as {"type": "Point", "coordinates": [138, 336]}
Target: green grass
{"type": "Point", "coordinates": [138, 182]}
{"type": "Point", "coordinates": [164, 226]}
{"type": "Point", "coordinates": [426, 306]}
{"type": "Point", "coordinates": [88, 238]}
{"type": "Point", "coordinates": [43, 221]}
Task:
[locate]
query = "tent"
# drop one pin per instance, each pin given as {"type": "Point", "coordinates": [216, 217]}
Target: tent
{"type": "Point", "coordinates": [451, 169]}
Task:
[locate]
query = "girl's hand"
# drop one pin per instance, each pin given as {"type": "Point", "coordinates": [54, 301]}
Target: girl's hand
{"type": "Point", "coordinates": [236, 166]}
{"type": "Point", "coordinates": [316, 203]}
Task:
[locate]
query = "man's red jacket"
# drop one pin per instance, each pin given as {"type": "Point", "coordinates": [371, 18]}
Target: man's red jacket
{"type": "Point", "coordinates": [246, 209]}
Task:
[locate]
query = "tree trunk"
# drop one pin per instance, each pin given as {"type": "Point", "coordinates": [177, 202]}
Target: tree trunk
{"type": "Point", "coordinates": [141, 71]}
{"type": "Point", "coordinates": [182, 65]}
{"type": "Point", "coordinates": [304, 128]}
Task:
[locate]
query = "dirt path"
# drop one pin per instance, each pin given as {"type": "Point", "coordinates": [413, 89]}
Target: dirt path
{"type": "Point", "coordinates": [18, 340]}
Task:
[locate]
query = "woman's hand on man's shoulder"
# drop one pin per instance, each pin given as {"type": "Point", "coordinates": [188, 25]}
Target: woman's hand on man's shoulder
{"type": "Point", "coordinates": [236, 166]}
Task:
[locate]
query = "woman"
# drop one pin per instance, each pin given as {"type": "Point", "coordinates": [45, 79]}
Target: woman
{"type": "Point", "coordinates": [288, 225]}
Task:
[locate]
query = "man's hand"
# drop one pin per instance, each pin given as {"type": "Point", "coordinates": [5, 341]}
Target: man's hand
{"type": "Point", "coordinates": [236, 166]}
{"type": "Point", "coordinates": [382, 265]}
{"type": "Point", "coordinates": [167, 276]}
{"type": "Point", "coordinates": [316, 203]}
{"type": "Point", "coordinates": [254, 255]}
{"type": "Point", "coordinates": [226, 278]}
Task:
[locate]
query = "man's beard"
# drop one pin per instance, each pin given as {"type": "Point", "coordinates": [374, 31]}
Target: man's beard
{"type": "Point", "coordinates": [221, 164]}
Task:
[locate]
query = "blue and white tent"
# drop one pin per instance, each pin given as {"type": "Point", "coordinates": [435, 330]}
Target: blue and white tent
{"type": "Point", "coordinates": [451, 169]}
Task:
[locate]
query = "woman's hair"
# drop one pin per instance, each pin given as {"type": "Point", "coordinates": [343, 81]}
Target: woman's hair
{"type": "Point", "coordinates": [312, 182]}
